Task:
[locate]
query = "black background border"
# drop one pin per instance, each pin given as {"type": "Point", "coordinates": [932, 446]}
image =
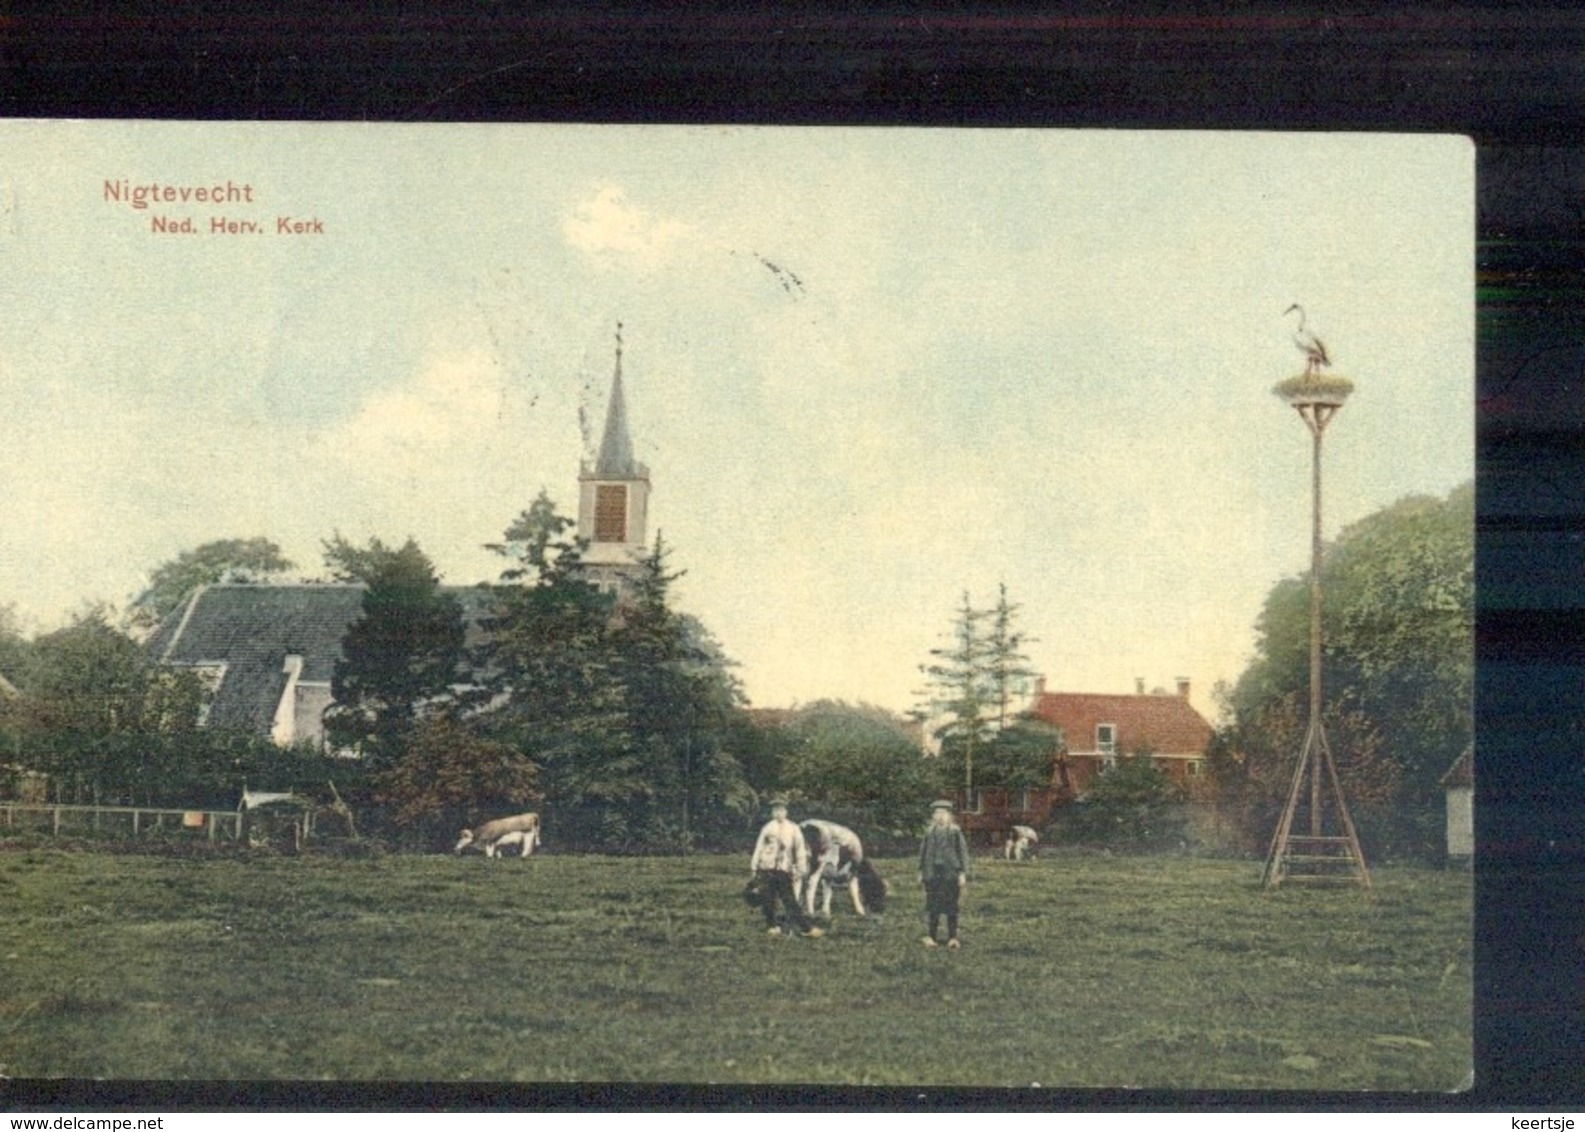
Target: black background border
{"type": "Point", "coordinates": [1508, 76]}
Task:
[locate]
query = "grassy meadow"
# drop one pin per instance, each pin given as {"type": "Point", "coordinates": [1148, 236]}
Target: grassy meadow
{"type": "Point", "coordinates": [1076, 972]}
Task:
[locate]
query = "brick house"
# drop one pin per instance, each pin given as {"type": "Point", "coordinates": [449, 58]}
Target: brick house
{"type": "Point", "coordinates": [1098, 728]}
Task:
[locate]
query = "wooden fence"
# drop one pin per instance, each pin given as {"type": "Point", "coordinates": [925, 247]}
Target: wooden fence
{"type": "Point", "coordinates": [140, 819]}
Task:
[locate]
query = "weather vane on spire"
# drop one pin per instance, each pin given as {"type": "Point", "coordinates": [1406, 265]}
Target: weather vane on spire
{"type": "Point", "coordinates": [618, 338]}
{"type": "Point", "coordinates": [1309, 345]}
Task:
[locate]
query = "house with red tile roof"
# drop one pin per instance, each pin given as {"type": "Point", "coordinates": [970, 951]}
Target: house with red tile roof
{"type": "Point", "coordinates": [1097, 729]}
{"type": "Point", "coordinates": [1100, 727]}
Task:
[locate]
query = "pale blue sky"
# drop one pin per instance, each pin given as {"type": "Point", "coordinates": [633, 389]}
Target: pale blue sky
{"type": "Point", "coordinates": [1043, 358]}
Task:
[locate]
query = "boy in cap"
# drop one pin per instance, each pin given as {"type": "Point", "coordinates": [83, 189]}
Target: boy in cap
{"type": "Point", "coordinates": [780, 856]}
{"type": "Point", "coordinates": [943, 870]}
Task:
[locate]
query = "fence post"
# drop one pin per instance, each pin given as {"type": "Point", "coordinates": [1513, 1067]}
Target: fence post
{"type": "Point", "coordinates": [135, 816]}
{"type": "Point", "coordinates": [57, 829]}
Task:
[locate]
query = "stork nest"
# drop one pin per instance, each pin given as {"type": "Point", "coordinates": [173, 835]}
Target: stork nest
{"type": "Point", "coordinates": [1314, 388]}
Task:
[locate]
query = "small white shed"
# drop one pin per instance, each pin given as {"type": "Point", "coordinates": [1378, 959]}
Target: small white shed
{"type": "Point", "coordinates": [1459, 783]}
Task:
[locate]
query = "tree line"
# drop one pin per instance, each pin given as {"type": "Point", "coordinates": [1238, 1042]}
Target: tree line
{"type": "Point", "coordinates": [623, 720]}
{"type": "Point", "coordinates": [620, 718]}
{"type": "Point", "coordinates": [1398, 627]}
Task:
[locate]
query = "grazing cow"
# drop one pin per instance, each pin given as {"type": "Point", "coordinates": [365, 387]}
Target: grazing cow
{"type": "Point", "coordinates": [1022, 843]}
{"type": "Point", "coordinates": [836, 857]}
{"type": "Point", "coordinates": [493, 836]}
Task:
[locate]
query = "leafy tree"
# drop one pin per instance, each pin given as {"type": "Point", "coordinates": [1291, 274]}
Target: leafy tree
{"type": "Point", "coordinates": [109, 725]}
{"type": "Point", "coordinates": [16, 654]}
{"type": "Point", "coordinates": [536, 541]}
{"type": "Point", "coordinates": [1020, 756]}
{"type": "Point", "coordinates": [678, 696]}
{"type": "Point", "coordinates": [1134, 805]}
{"type": "Point", "coordinates": [1251, 782]}
{"type": "Point", "coordinates": [15, 650]}
{"type": "Point", "coordinates": [544, 672]}
{"type": "Point", "coordinates": [627, 707]}
{"type": "Point", "coordinates": [858, 764]}
{"type": "Point", "coordinates": [234, 559]}
{"type": "Point", "coordinates": [1398, 674]}
{"type": "Point", "coordinates": [97, 711]}
{"type": "Point", "coordinates": [449, 778]}
{"type": "Point", "coordinates": [400, 657]}
{"type": "Point", "coordinates": [761, 745]}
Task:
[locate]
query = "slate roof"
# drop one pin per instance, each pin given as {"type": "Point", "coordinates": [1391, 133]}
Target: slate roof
{"type": "Point", "coordinates": [252, 629]}
{"type": "Point", "coordinates": [1166, 724]}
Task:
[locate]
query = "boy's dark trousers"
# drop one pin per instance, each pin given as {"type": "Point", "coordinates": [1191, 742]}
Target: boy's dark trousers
{"type": "Point", "coordinates": [941, 899]}
{"type": "Point", "coordinates": [777, 885]}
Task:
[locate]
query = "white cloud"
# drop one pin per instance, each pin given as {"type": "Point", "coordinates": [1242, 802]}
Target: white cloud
{"type": "Point", "coordinates": [446, 458]}
{"type": "Point", "coordinates": [606, 225]}
{"type": "Point", "coordinates": [446, 404]}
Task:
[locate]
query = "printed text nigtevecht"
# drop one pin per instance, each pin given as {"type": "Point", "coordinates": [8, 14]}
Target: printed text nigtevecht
{"type": "Point", "coordinates": [124, 191]}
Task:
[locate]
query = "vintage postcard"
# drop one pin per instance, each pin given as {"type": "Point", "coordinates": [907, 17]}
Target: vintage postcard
{"type": "Point", "coordinates": [743, 606]}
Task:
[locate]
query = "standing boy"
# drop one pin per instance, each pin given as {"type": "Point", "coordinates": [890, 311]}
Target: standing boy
{"type": "Point", "coordinates": [944, 871]}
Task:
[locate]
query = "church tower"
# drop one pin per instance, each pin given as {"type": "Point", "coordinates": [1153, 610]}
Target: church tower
{"type": "Point", "coordinates": [613, 497]}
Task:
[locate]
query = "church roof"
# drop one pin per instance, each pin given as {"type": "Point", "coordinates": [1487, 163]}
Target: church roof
{"type": "Point", "coordinates": [252, 629]}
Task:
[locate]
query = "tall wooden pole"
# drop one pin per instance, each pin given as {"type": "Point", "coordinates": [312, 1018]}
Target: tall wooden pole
{"type": "Point", "coordinates": [1317, 423]}
{"type": "Point", "coordinates": [1317, 400]}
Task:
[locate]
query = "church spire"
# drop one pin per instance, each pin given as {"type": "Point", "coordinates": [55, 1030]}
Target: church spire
{"type": "Point", "coordinates": [613, 498]}
{"type": "Point", "coordinates": [616, 445]}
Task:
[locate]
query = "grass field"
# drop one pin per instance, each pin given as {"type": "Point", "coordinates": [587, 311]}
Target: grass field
{"type": "Point", "coordinates": [1076, 972]}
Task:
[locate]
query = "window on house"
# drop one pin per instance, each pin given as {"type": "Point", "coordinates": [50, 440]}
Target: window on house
{"type": "Point", "coordinates": [972, 801]}
{"type": "Point", "coordinates": [610, 513]}
{"type": "Point", "coordinates": [1106, 742]}
{"type": "Point", "coordinates": [1194, 768]}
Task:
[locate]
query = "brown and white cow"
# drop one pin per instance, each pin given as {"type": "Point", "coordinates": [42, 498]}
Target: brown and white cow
{"type": "Point", "coordinates": [502, 833]}
{"type": "Point", "coordinates": [836, 857]}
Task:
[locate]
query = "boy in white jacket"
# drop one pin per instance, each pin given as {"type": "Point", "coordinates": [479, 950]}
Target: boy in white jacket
{"type": "Point", "coordinates": [780, 860]}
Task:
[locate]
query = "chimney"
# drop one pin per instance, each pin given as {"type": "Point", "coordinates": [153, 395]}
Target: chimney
{"type": "Point", "coordinates": [1040, 685]}
{"type": "Point", "coordinates": [284, 728]}
{"type": "Point", "coordinates": [1139, 685]}
{"type": "Point", "coordinates": [1183, 686]}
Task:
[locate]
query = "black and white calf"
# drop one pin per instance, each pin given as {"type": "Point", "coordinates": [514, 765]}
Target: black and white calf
{"type": "Point", "coordinates": [836, 857]}
{"type": "Point", "coordinates": [502, 833]}
{"type": "Point", "coordinates": [1022, 843]}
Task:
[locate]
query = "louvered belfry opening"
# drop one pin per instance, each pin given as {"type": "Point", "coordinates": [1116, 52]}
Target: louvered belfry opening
{"type": "Point", "coordinates": [610, 513]}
